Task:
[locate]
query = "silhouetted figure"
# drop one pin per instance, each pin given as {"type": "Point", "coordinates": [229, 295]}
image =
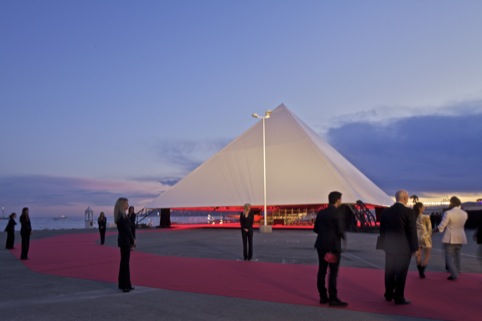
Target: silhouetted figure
{"type": "Point", "coordinates": [10, 229]}
{"type": "Point", "coordinates": [126, 243]}
{"type": "Point", "coordinates": [25, 232]}
{"type": "Point", "coordinates": [102, 222]}
{"type": "Point", "coordinates": [132, 219]}
{"type": "Point", "coordinates": [478, 237]}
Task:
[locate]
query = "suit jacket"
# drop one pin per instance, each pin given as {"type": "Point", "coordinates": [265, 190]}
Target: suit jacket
{"type": "Point", "coordinates": [247, 222]}
{"type": "Point", "coordinates": [125, 237]}
{"type": "Point", "coordinates": [398, 229]}
{"type": "Point", "coordinates": [452, 226]}
{"type": "Point", "coordinates": [330, 227]}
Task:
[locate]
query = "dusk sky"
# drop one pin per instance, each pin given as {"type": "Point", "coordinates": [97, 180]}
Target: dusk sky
{"type": "Point", "coordinates": [101, 99]}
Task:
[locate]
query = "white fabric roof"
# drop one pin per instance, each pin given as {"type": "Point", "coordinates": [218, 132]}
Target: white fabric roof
{"type": "Point", "coordinates": [301, 169]}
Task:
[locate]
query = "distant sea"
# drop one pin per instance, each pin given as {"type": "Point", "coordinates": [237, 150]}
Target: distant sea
{"type": "Point", "coordinates": [67, 223]}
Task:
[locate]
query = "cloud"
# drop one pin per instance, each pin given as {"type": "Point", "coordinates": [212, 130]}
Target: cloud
{"type": "Point", "coordinates": [386, 115]}
{"type": "Point", "coordinates": [170, 181]}
{"type": "Point", "coordinates": [50, 195]}
{"type": "Point", "coordinates": [424, 154]}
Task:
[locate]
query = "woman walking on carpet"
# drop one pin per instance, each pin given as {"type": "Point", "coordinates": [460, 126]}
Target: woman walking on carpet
{"type": "Point", "coordinates": [424, 234]}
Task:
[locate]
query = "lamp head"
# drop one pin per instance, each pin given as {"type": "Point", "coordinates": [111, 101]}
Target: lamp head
{"type": "Point", "coordinates": [255, 115]}
{"type": "Point", "coordinates": [267, 114]}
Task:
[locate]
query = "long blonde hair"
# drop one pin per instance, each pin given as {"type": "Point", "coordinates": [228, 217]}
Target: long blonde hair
{"type": "Point", "coordinates": [119, 208]}
{"type": "Point", "coordinates": [247, 207]}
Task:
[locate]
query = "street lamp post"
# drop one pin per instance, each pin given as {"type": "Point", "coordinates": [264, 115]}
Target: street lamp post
{"type": "Point", "coordinates": [265, 228]}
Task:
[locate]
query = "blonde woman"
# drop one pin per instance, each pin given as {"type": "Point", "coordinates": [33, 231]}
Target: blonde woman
{"type": "Point", "coordinates": [125, 241]}
{"type": "Point", "coordinates": [424, 234]}
{"type": "Point", "coordinates": [246, 220]}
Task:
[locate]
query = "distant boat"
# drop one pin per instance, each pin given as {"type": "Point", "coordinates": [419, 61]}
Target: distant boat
{"type": "Point", "coordinates": [61, 217]}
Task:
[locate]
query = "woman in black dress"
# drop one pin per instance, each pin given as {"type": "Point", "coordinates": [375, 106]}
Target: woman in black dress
{"type": "Point", "coordinates": [125, 241]}
{"type": "Point", "coordinates": [102, 222]}
{"type": "Point", "coordinates": [132, 218]}
{"type": "Point", "coordinates": [10, 229]}
{"type": "Point", "coordinates": [246, 220]}
{"type": "Point", "coordinates": [25, 231]}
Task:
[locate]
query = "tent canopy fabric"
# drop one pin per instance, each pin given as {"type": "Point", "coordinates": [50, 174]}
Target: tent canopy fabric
{"type": "Point", "coordinates": [301, 169]}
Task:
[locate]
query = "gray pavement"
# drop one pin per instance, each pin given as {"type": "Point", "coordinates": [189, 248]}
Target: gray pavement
{"type": "Point", "coordinates": [26, 295]}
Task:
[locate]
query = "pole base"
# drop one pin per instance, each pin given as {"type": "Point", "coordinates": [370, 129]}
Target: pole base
{"type": "Point", "coordinates": [265, 228]}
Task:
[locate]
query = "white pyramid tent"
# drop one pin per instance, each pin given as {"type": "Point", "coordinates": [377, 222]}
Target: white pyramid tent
{"type": "Point", "coordinates": [301, 169]}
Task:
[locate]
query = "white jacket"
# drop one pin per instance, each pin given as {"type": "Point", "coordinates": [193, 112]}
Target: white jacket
{"type": "Point", "coordinates": [452, 225]}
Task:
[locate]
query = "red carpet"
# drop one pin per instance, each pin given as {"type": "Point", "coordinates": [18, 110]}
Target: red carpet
{"type": "Point", "coordinates": [80, 256]}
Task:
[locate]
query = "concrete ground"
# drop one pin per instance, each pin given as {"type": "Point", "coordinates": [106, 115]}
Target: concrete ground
{"type": "Point", "coordinates": [26, 295]}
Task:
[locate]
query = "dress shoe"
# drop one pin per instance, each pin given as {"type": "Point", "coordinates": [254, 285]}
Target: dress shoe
{"type": "Point", "coordinates": [388, 298]}
{"type": "Point", "coordinates": [323, 300]}
{"type": "Point", "coordinates": [131, 288]}
{"type": "Point", "coordinates": [451, 278]}
{"type": "Point", "coordinates": [402, 302]}
{"type": "Point", "coordinates": [337, 303]}
{"type": "Point", "coordinates": [126, 290]}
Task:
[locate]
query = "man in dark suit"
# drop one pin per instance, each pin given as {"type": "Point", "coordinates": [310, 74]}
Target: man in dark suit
{"type": "Point", "coordinates": [398, 233]}
{"type": "Point", "coordinates": [329, 226]}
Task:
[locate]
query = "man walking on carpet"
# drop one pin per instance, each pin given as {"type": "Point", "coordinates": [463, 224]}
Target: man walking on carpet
{"type": "Point", "coordinates": [330, 227]}
{"type": "Point", "coordinates": [398, 233]}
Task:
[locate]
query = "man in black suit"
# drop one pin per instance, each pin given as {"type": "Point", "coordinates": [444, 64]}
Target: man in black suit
{"type": "Point", "coordinates": [398, 233]}
{"type": "Point", "coordinates": [329, 226]}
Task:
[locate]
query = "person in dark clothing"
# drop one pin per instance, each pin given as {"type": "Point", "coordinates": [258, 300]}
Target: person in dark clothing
{"type": "Point", "coordinates": [25, 232]}
{"type": "Point", "coordinates": [398, 232]}
{"type": "Point", "coordinates": [478, 236]}
{"type": "Point", "coordinates": [126, 243]}
{"type": "Point", "coordinates": [10, 229]}
{"type": "Point", "coordinates": [330, 227]}
{"type": "Point", "coordinates": [132, 219]}
{"type": "Point", "coordinates": [246, 220]}
{"type": "Point", "coordinates": [102, 222]}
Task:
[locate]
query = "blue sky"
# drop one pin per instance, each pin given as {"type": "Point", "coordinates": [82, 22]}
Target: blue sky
{"type": "Point", "coordinates": [107, 98]}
